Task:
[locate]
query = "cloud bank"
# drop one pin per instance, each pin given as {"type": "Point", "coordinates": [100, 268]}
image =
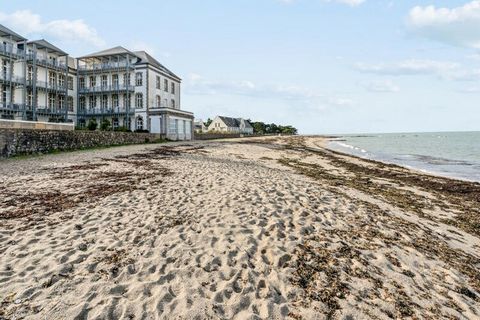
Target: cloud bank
{"type": "Point", "coordinates": [457, 26]}
{"type": "Point", "coordinates": [28, 23]}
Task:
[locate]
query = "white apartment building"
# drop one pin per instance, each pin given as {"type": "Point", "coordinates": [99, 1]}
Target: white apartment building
{"type": "Point", "coordinates": [40, 82]}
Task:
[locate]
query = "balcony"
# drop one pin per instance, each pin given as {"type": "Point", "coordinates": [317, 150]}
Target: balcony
{"type": "Point", "coordinates": [12, 106]}
{"type": "Point", "coordinates": [6, 77]}
{"type": "Point", "coordinates": [106, 89]}
{"type": "Point", "coordinates": [47, 86]}
{"type": "Point", "coordinates": [57, 65]}
{"type": "Point", "coordinates": [105, 111]}
{"type": "Point", "coordinates": [42, 110]}
{"type": "Point", "coordinates": [8, 50]}
{"type": "Point", "coordinates": [103, 66]}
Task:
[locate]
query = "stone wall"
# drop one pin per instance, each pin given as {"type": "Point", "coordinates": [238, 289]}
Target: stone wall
{"type": "Point", "coordinates": [212, 136]}
{"type": "Point", "coordinates": [24, 142]}
{"type": "Point", "coordinates": [28, 125]}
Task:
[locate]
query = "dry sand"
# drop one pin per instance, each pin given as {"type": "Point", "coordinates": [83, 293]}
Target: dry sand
{"type": "Point", "coordinates": [267, 228]}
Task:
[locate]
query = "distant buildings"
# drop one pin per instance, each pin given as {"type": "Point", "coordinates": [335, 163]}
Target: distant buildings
{"type": "Point", "coordinates": [199, 126]}
{"type": "Point", "coordinates": [230, 125]}
{"type": "Point", "coordinates": [40, 82]}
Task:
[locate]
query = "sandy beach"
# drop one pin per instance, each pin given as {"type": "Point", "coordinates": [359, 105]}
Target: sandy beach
{"type": "Point", "coordinates": [260, 228]}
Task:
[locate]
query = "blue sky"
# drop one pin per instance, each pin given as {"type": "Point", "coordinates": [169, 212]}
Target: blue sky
{"type": "Point", "coordinates": [338, 66]}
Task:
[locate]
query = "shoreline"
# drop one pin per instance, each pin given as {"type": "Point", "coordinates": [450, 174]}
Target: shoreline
{"type": "Point", "coordinates": [270, 227]}
{"type": "Point", "coordinates": [406, 166]}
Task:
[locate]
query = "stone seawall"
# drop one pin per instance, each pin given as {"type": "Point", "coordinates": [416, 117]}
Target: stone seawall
{"type": "Point", "coordinates": [28, 125]}
{"type": "Point", "coordinates": [24, 142]}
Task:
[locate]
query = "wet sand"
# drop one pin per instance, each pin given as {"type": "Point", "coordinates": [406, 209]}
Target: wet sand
{"type": "Point", "coordinates": [262, 228]}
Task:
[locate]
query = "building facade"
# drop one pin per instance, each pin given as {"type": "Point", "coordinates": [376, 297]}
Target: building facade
{"type": "Point", "coordinates": [230, 125]}
{"type": "Point", "coordinates": [125, 89]}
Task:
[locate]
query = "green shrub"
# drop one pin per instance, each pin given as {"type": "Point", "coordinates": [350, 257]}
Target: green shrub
{"type": "Point", "coordinates": [92, 125]}
{"type": "Point", "coordinates": [105, 125]}
{"type": "Point", "coordinates": [122, 129]}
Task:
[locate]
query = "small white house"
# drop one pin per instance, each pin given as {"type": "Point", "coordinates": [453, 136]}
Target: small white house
{"type": "Point", "coordinates": [230, 125]}
{"type": "Point", "coordinates": [199, 126]}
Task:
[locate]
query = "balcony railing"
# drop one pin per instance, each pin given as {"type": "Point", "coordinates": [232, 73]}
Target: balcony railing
{"type": "Point", "coordinates": [20, 107]}
{"type": "Point", "coordinates": [103, 66]}
{"type": "Point", "coordinates": [47, 86]}
{"type": "Point", "coordinates": [12, 106]}
{"type": "Point", "coordinates": [105, 111]}
{"type": "Point", "coordinates": [51, 110]}
{"type": "Point", "coordinates": [13, 78]}
{"type": "Point", "coordinates": [8, 49]}
{"type": "Point", "coordinates": [112, 88]}
{"type": "Point", "coordinates": [48, 63]}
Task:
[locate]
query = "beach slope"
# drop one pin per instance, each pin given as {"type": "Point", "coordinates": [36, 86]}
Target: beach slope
{"type": "Point", "coordinates": [260, 228]}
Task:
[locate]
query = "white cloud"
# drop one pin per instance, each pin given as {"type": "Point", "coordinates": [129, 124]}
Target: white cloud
{"type": "Point", "coordinates": [27, 23]}
{"type": "Point", "coordinates": [409, 67]}
{"type": "Point", "coordinates": [472, 89]}
{"type": "Point", "coordinates": [457, 26]}
{"type": "Point", "coordinates": [382, 86]}
{"type": "Point", "coordinates": [196, 84]}
{"type": "Point", "coordinates": [352, 3]}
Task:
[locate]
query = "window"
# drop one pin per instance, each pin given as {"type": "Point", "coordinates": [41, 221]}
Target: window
{"type": "Point", "coordinates": [138, 79]}
{"type": "Point", "coordinates": [30, 98]}
{"type": "Point", "coordinates": [30, 73]}
{"type": "Point", "coordinates": [173, 87]}
{"type": "Point", "coordinates": [172, 128]}
{"type": "Point", "coordinates": [70, 103]}
{"type": "Point", "coordinates": [104, 81]}
{"type": "Point", "coordinates": [138, 100]}
{"type": "Point", "coordinates": [82, 104]}
{"type": "Point", "coordinates": [82, 82]}
{"type": "Point", "coordinates": [139, 123]}
{"type": "Point", "coordinates": [61, 102]}
{"type": "Point", "coordinates": [51, 101]}
{"type": "Point", "coordinates": [115, 100]}
{"type": "Point", "coordinates": [165, 85]}
{"type": "Point", "coordinates": [70, 83]}
{"type": "Point", "coordinates": [126, 101]}
{"type": "Point", "coordinates": [104, 101]}
{"type": "Point", "coordinates": [92, 102]}
{"type": "Point", "coordinates": [51, 78]}
{"type": "Point", "coordinates": [115, 80]}
{"type": "Point", "coordinates": [61, 81]}
{"type": "Point", "coordinates": [158, 101]}
{"type": "Point", "coordinates": [173, 104]}
{"type": "Point", "coordinates": [158, 82]}
{"type": "Point", "coordinates": [4, 94]}
{"type": "Point", "coordinates": [93, 81]}
{"type": "Point", "coordinates": [115, 123]}
{"type": "Point", "coordinates": [126, 79]}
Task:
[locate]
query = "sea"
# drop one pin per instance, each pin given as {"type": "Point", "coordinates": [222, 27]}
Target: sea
{"type": "Point", "coordinates": [448, 154]}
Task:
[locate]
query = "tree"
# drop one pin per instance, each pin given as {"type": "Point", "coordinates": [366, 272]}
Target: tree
{"type": "Point", "coordinates": [92, 124]}
{"type": "Point", "coordinates": [209, 121]}
{"type": "Point", "coordinates": [258, 127]}
{"type": "Point", "coordinates": [105, 125]}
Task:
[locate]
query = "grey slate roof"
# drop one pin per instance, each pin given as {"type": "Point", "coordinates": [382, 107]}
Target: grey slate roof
{"type": "Point", "coordinates": [146, 58]}
{"type": "Point", "coordinates": [235, 122]}
{"type": "Point", "coordinates": [119, 50]}
{"type": "Point", "coordinates": [44, 44]}
{"type": "Point", "coordinates": [4, 31]}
